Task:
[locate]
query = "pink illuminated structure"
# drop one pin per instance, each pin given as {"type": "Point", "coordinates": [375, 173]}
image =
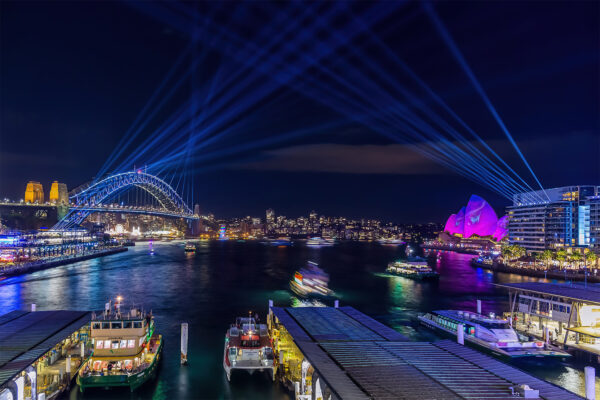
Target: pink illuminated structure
{"type": "Point", "coordinates": [477, 218]}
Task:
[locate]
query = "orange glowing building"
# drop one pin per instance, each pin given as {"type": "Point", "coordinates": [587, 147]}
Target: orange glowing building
{"type": "Point", "coordinates": [34, 193]}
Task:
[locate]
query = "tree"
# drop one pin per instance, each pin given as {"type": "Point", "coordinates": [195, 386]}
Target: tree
{"type": "Point", "coordinates": [561, 256]}
{"type": "Point", "coordinates": [507, 252]}
{"type": "Point", "coordinates": [546, 256]}
{"type": "Point", "coordinates": [575, 257]}
{"type": "Point", "coordinates": [591, 259]}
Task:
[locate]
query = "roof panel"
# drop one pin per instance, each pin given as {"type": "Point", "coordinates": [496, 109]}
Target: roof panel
{"type": "Point", "coordinates": [572, 291]}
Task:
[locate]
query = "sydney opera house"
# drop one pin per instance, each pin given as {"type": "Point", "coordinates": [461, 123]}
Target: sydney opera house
{"type": "Point", "coordinates": [475, 226]}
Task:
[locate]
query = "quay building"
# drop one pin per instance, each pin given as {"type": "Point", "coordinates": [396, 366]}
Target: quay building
{"type": "Point", "coordinates": [557, 218]}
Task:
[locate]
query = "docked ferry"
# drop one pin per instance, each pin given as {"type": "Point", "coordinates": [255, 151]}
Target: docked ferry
{"type": "Point", "coordinates": [127, 349]}
{"type": "Point", "coordinates": [248, 348]}
{"type": "Point", "coordinates": [418, 270]}
{"type": "Point", "coordinates": [494, 335]}
{"type": "Point", "coordinates": [311, 281]}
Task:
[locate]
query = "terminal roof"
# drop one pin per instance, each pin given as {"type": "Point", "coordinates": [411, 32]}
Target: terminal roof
{"type": "Point", "coordinates": [26, 336]}
{"type": "Point", "coordinates": [578, 292]}
{"type": "Point", "coordinates": [360, 358]}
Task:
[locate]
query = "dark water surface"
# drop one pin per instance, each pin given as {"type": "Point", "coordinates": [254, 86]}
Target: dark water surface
{"type": "Point", "coordinates": [223, 280]}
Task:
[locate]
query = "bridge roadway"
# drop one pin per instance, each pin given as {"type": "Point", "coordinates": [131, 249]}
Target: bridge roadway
{"type": "Point", "coordinates": [355, 357]}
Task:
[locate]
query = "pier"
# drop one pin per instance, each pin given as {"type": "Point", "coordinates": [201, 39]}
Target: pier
{"type": "Point", "coordinates": [345, 354]}
{"type": "Point", "coordinates": [567, 315]}
{"type": "Point", "coordinates": [41, 351]}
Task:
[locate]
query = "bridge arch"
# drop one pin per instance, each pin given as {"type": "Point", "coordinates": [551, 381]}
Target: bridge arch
{"type": "Point", "coordinates": [85, 200]}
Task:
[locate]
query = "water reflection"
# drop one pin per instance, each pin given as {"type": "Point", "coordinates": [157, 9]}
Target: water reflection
{"type": "Point", "coordinates": [222, 280]}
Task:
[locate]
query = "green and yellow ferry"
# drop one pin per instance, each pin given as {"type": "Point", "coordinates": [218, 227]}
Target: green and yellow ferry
{"type": "Point", "coordinates": [126, 349]}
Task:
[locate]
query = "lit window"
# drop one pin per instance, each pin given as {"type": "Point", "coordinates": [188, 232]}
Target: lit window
{"type": "Point", "coordinates": [100, 344]}
{"type": "Point", "coordinates": [130, 344]}
{"type": "Point", "coordinates": [107, 344]}
{"type": "Point", "coordinates": [115, 344]}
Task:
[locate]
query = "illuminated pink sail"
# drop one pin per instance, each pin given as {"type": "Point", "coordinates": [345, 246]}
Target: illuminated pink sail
{"type": "Point", "coordinates": [501, 228]}
{"type": "Point", "coordinates": [450, 224]}
{"type": "Point", "coordinates": [459, 222]}
{"type": "Point", "coordinates": [480, 218]}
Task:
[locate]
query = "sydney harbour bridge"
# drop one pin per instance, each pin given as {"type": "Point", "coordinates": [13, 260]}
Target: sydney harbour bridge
{"type": "Point", "coordinates": [97, 196]}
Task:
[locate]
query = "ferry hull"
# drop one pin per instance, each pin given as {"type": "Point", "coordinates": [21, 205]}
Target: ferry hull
{"type": "Point", "coordinates": [133, 381]}
{"type": "Point", "coordinates": [416, 277]}
{"type": "Point", "coordinates": [521, 356]}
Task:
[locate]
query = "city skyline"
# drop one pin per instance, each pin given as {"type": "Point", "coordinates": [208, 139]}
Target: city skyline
{"type": "Point", "coordinates": [345, 169]}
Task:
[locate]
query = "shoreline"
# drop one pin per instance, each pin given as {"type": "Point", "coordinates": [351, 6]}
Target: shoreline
{"type": "Point", "coordinates": [448, 248]}
{"type": "Point", "coordinates": [548, 274]}
{"type": "Point", "coordinates": [33, 267]}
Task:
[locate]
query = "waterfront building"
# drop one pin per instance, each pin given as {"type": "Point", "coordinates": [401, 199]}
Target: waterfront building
{"type": "Point", "coordinates": [592, 205]}
{"type": "Point", "coordinates": [41, 352]}
{"type": "Point", "coordinates": [341, 353]}
{"type": "Point", "coordinates": [566, 314]}
{"type": "Point", "coordinates": [552, 219]}
{"type": "Point", "coordinates": [58, 193]}
{"type": "Point", "coordinates": [34, 193]}
{"type": "Point", "coordinates": [475, 227]}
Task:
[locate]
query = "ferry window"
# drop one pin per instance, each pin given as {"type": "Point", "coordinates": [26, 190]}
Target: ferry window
{"type": "Point", "coordinates": [123, 344]}
{"type": "Point", "coordinates": [96, 325]}
{"type": "Point", "coordinates": [106, 325]}
{"type": "Point", "coordinates": [107, 344]}
{"type": "Point", "coordinates": [115, 344]}
{"type": "Point", "coordinates": [130, 344]}
{"type": "Point", "coordinates": [568, 309]}
{"type": "Point", "coordinates": [116, 325]}
{"type": "Point", "coordinates": [137, 324]}
{"type": "Point", "coordinates": [100, 344]}
{"type": "Point", "coordinates": [127, 325]}
{"type": "Point", "coordinates": [141, 340]}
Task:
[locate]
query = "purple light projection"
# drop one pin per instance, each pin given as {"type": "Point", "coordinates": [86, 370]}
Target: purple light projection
{"type": "Point", "coordinates": [477, 218]}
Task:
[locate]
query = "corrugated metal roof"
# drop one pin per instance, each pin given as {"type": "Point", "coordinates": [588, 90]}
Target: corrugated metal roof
{"type": "Point", "coordinates": [578, 292]}
{"type": "Point", "coordinates": [31, 334]}
{"type": "Point", "coordinates": [414, 370]}
{"type": "Point", "coordinates": [547, 390]}
{"type": "Point", "coordinates": [358, 357]}
{"type": "Point", "coordinates": [330, 324]}
{"type": "Point", "coordinates": [376, 326]}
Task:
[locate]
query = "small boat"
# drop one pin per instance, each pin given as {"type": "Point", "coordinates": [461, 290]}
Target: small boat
{"type": "Point", "coordinates": [311, 281]}
{"type": "Point", "coordinates": [190, 247]}
{"type": "Point", "coordinates": [127, 349]}
{"type": "Point", "coordinates": [320, 242]}
{"type": "Point", "coordinates": [281, 241]}
{"type": "Point", "coordinates": [495, 335]}
{"type": "Point", "coordinates": [418, 270]}
{"type": "Point", "coordinates": [248, 348]}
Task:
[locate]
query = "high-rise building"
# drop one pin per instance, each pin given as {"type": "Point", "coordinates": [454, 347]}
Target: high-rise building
{"type": "Point", "coordinates": [34, 193]}
{"type": "Point", "coordinates": [592, 205]}
{"type": "Point", "coordinates": [58, 193]}
{"type": "Point", "coordinates": [552, 219]}
{"type": "Point", "coordinates": [270, 215]}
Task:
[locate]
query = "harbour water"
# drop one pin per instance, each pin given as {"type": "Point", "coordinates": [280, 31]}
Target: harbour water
{"type": "Point", "coordinates": [225, 279]}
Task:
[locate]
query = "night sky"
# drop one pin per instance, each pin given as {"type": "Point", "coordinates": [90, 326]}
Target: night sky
{"type": "Point", "coordinates": [75, 75]}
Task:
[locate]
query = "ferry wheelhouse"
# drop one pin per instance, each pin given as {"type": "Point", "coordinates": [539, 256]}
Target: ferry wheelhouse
{"type": "Point", "coordinates": [248, 348]}
{"type": "Point", "coordinates": [494, 335]}
{"type": "Point", "coordinates": [126, 352]}
{"type": "Point", "coordinates": [418, 270]}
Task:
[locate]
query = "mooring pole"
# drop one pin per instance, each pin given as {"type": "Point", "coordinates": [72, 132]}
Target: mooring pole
{"type": "Point", "coordinates": [184, 343]}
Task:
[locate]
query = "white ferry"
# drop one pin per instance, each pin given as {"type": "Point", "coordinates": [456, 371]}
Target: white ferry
{"type": "Point", "coordinates": [248, 348]}
{"type": "Point", "coordinates": [418, 270]}
{"type": "Point", "coordinates": [311, 281]}
{"type": "Point", "coordinates": [494, 335]}
{"type": "Point", "coordinates": [319, 242]}
{"type": "Point", "coordinates": [190, 247]}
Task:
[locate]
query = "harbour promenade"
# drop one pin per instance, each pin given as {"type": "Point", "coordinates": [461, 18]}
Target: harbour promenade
{"type": "Point", "coordinates": [51, 262]}
{"type": "Point", "coordinates": [539, 271]}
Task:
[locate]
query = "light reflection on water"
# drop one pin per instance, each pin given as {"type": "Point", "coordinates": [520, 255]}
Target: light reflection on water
{"type": "Point", "coordinates": [223, 280]}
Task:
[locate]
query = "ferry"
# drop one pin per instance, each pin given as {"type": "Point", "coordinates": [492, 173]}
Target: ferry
{"type": "Point", "coordinates": [281, 241]}
{"type": "Point", "coordinates": [319, 242]}
{"type": "Point", "coordinates": [418, 270]}
{"type": "Point", "coordinates": [493, 335]}
{"type": "Point", "coordinates": [311, 281]}
{"type": "Point", "coordinates": [248, 348]}
{"type": "Point", "coordinates": [127, 350]}
{"type": "Point", "coordinates": [190, 247]}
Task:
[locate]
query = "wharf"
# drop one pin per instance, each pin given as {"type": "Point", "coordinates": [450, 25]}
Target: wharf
{"type": "Point", "coordinates": [343, 353]}
{"type": "Point", "coordinates": [27, 268]}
